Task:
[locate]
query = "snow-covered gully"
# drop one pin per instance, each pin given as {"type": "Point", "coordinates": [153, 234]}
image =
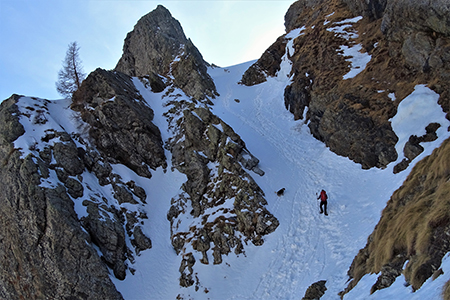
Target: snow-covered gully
{"type": "Point", "coordinates": [307, 246]}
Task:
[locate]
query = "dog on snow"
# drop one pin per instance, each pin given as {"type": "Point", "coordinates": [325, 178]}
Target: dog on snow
{"type": "Point", "coordinates": [281, 192]}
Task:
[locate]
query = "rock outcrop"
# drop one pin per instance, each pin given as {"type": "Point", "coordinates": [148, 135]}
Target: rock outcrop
{"type": "Point", "coordinates": [44, 252]}
{"type": "Point", "coordinates": [225, 203]}
{"type": "Point", "coordinates": [267, 65]}
{"type": "Point", "coordinates": [315, 291]}
{"type": "Point", "coordinates": [372, 9]}
{"type": "Point", "coordinates": [346, 106]}
{"type": "Point", "coordinates": [120, 123]}
{"type": "Point", "coordinates": [158, 45]}
{"type": "Point", "coordinates": [53, 254]}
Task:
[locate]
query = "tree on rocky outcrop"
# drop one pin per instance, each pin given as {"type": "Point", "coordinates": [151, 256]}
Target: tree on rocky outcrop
{"type": "Point", "coordinates": [71, 75]}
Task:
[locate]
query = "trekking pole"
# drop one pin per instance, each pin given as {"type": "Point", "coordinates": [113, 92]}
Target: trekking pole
{"type": "Point", "coordinates": [318, 202]}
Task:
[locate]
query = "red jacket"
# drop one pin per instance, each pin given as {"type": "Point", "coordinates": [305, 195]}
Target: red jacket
{"type": "Point", "coordinates": [323, 196]}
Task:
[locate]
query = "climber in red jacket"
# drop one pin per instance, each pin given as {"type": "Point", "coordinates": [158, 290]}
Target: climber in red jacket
{"type": "Point", "coordinates": [323, 202]}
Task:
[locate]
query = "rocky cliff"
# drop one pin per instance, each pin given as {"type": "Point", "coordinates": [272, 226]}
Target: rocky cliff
{"type": "Point", "coordinates": [45, 251]}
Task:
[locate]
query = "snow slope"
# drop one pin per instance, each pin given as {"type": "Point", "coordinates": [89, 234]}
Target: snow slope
{"type": "Point", "coordinates": [307, 246]}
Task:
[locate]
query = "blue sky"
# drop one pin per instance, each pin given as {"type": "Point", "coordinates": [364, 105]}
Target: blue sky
{"type": "Point", "coordinates": [34, 34]}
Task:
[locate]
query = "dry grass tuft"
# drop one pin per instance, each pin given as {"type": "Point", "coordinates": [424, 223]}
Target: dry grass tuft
{"type": "Point", "coordinates": [415, 225]}
{"type": "Point", "coordinates": [446, 291]}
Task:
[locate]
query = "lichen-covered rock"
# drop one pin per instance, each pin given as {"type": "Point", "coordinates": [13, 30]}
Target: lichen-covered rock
{"type": "Point", "coordinates": [157, 45]}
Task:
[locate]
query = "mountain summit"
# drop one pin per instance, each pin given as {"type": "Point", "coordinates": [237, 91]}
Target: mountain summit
{"type": "Point", "coordinates": [158, 45]}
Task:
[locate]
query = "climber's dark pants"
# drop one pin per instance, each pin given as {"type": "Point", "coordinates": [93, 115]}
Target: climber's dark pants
{"type": "Point", "coordinates": [323, 206]}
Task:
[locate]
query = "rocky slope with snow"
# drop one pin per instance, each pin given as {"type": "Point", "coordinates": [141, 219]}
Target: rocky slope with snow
{"type": "Point", "coordinates": [157, 180]}
{"type": "Point", "coordinates": [348, 71]}
{"type": "Point", "coordinates": [114, 126]}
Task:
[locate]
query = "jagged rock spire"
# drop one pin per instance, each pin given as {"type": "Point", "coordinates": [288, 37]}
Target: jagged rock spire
{"type": "Point", "coordinates": [158, 45]}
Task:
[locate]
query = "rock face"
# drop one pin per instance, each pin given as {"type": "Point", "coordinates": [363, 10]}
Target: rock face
{"type": "Point", "coordinates": [373, 9]}
{"type": "Point", "coordinates": [53, 254]}
{"type": "Point", "coordinates": [267, 65]}
{"type": "Point", "coordinates": [44, 252]}
{"type": "Point", "coordinates": [157, 45]}
{"type": "Point", "coordinates": [120, 124]}
{"type": "Point", "coordinates": [351, 113]}
{"type": "Point", "coordinates": [414, 227]}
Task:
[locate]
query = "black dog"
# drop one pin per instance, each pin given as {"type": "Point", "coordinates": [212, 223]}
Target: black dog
{"type": "Point", "coordinates": [281, 192]}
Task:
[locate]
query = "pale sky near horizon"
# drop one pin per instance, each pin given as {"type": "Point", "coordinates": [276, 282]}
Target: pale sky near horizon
{"type": "Point", "coordinates": [34, 34]}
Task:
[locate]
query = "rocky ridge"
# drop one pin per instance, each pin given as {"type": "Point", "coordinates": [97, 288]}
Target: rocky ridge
{"type": "Point", "coordinates": [220, 195]}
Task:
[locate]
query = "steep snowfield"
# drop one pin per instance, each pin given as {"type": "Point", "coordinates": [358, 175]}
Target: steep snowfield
{"type": "Point", "coordinates": [307, 246]}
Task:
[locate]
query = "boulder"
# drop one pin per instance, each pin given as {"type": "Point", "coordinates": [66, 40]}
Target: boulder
{"type": "Point", "coordinates": [315, 291]}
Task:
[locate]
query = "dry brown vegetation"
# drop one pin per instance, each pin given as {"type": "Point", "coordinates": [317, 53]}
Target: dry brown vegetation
{"type": "Point", "coordinates": [415, 225]}
{"type": "Point", "coordinates": [446, 291]}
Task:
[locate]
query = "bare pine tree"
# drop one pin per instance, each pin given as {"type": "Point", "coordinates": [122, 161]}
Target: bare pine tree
{"type": "Point", "coordinates": [71, 75]}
